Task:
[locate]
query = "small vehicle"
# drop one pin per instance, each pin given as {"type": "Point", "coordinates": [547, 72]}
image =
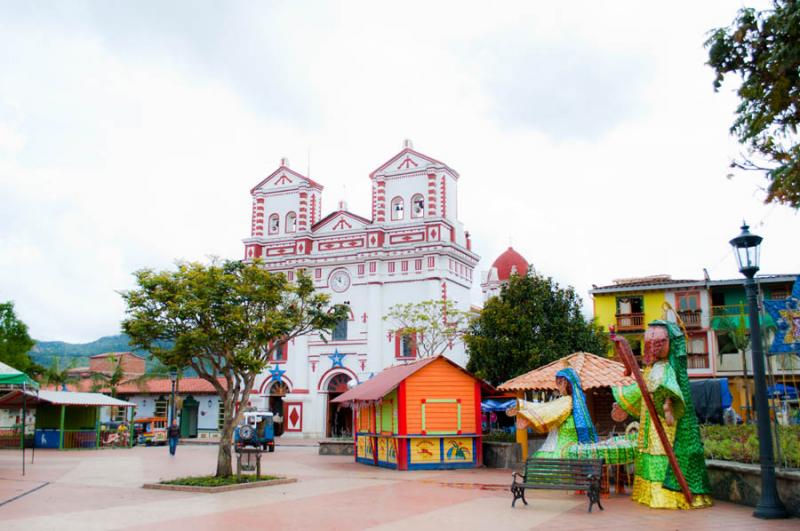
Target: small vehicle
{"type": "Point", "coordinates": [150, 430]}
{"type": "Point", "coordinates": [256, 430]}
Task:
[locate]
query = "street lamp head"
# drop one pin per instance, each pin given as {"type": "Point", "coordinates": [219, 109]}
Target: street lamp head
{"type": "Point", "coordinates": [173, 375]}
{"type": "Point", "coordinates": [747, 248]}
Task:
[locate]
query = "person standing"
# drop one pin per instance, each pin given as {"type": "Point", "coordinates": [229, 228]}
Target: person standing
{"type": "Point", "coordinates": [173, 434]}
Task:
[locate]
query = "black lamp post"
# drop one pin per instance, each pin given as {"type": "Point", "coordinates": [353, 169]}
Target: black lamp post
{"type": "Point", "coordinates": [173, 377]}
{"type": "Point", "coordinates": [746, 248]}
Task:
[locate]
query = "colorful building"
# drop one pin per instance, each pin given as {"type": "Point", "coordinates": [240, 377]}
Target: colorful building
{"type": "Point", "coordinates": [412, 247]}
{"type": "Point", "coordinates": [709, 310]}
{"type": "Point", "coordinates": [422, 415]}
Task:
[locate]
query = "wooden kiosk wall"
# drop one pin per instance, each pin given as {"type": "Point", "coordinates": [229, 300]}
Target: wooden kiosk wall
{"type": "Point", "coordinates": [431, 421]}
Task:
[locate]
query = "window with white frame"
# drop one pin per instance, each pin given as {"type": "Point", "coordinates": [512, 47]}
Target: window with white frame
{"type": "Point", "coordinates": [274, 224]}
{"type": "Point", "coordinates": [291, 222]}
{"type": "Point", "coordinates": [398, 211]}
{"type": "Point", "coordinates": [417, 206]}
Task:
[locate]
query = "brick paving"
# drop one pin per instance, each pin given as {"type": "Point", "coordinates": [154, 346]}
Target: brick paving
{"type": "Point", "coordinates": [102, 490]}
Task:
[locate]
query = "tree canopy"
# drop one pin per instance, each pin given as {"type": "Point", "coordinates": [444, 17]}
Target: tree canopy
{"type": "Point", "coordinates": [15, 343]}
{"type": "Point", "coordinates": [763, 49]}
{"type": "Point", "coordinates": [531, 323]}
{"type": "Point", "coordinates": [434, 324]}
{"type": "Point", "coordinates": [224, 320]}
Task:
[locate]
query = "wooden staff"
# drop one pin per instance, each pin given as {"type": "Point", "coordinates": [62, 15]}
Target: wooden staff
{"type": "Point", "coordinates": [631, 367]}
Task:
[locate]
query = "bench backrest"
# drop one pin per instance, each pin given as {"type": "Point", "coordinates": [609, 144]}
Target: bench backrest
{"type": "Point", "coordinates": [562, 472]}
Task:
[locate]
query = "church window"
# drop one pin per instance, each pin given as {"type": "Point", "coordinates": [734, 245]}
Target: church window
{"type": "Point", "coordinates": [291, 222]}
{"type": "Point", "coordinates": [274, 224]}
{"type": "Point", "coordinates": [417, 206]}
{"type": "Point", "coordinates": [340, 331]}
{"type": "Point", "coordinates": [397, 209]}
{"type": "Point", "coordinates": [405, 345]}
{"type": "Point", "coordinates": [280, 354]}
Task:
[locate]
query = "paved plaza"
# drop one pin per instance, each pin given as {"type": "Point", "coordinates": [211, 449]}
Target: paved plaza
{"type": "Point", "coordinates": [102, 490]}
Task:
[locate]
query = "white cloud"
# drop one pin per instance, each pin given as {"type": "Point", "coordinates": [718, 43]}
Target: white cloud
{"type": "Point", "coordinates": [588, 134]}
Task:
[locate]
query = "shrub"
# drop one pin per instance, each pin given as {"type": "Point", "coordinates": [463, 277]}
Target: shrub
{"type": "Point", "coordinates": [214, 481]}
{"type": "Point", "coordinates": [740, 443]}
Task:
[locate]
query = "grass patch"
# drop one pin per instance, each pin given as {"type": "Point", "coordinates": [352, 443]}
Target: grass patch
{"type": "Point", "coordinates": [214, 481]}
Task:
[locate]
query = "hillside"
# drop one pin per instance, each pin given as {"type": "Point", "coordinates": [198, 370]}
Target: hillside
{"type": "Point", "coordinates": [44, 351]}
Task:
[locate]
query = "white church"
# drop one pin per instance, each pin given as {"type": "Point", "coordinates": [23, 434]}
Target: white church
{"type": "Point", "coordinates": [411, 248]}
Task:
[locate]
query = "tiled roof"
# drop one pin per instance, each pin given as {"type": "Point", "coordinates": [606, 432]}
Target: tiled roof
{"type": "Point", "coordinates": [154, 386]}
{"type": "Point", "coordinates": [644, 282]}
{"type": "Point", "coordinates": [593, 370]}
{"type": "Point", "coordinates": [164, 385]}
{"type": "Point", "coordinates": [115, 354]}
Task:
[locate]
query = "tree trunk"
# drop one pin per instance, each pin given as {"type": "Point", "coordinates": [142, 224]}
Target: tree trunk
{"type": "Point", "coordinates": [224, 460]}
{"type": "Point", "coordinates": [746, 387]}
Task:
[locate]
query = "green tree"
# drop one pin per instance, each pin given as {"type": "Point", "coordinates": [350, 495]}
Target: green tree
{"type": "Point", "coordinates": [15, 343]}
{"type": "Point", "coordinates": [224, 320]}
{"type": "Point", "coordinates": [57, 376]}
{"type": "Point", "coordinates": [531, 323]}
{"type": "Point", "coordinates": [763, 49]}
{"type": "Point", "coordinates": [434, 324]}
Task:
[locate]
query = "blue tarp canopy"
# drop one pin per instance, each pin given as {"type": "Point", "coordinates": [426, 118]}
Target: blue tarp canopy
{"type": "Point", "coordinates": [494, 404]}
{"type": "Point", "coordinates": [783, 391]}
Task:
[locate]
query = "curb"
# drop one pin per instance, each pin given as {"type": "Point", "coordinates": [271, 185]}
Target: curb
{"type": "Point", "coordinates": [221, 488]}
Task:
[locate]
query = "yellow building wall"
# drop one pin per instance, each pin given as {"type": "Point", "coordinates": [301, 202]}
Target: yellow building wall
{"type": "Point", "coordinates": [605, 307]}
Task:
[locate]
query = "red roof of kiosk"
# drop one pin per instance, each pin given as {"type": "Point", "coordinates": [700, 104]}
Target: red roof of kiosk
{"type": "Point", "coordinates": [385, 381]}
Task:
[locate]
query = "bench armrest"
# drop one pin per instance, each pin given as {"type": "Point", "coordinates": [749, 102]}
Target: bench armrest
{"type": "Point", "coordinates": [514, 476]}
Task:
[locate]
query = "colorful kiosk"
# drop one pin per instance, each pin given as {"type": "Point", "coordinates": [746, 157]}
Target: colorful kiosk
{"type": "Point", "coordinates": [422, 415]}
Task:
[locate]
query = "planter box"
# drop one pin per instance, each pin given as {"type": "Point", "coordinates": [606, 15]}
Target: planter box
{"type": "Point", "coordinates": [741, 483]}
{"type": "Point", "coordinates": [336, 447]}
{"type": "Point", "coordinates": [221, 488]}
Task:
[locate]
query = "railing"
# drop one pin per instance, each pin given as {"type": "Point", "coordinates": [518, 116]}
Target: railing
{"type": "Point", "coordinates": [697, 361]}
{"type": "Point", "coordinates": [74, 439]}
{"type": "Point", "coordinates": [691, 318]}
{"type": "Point", "coordinates": [729, 310]}
{"type": "Point", "coordinates": [630, 321]}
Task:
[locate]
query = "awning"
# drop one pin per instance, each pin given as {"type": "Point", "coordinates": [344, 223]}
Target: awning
{"type": "Point", "coordinates": [492, 404]}
{"type": "Point", "coordinates": [62, 398]}
{"type": "Point", "coordinates": [11, 376]}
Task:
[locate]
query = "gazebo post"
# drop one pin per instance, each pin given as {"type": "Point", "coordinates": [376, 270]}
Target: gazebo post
{"type": "Point", "coordinates": [61, 428]}
{"type": "Point", "coordinates": [522, 434]}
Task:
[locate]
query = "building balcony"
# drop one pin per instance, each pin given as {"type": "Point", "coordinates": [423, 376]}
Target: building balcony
{"type": "Point", "coordinates": [733, 315]}
{"type": "Point", "coordinates": [691, 318]}
{"type": "Point", "coordinates": [697, 361]}
{"type": "Point", "coordinates": [629, 322]}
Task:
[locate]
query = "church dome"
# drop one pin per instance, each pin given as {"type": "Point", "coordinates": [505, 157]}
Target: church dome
{"type": "Point", "coordinates": [508, 262]}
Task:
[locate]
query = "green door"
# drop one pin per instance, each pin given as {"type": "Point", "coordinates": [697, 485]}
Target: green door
{"type": "Point", "coordinates": [189, 417]}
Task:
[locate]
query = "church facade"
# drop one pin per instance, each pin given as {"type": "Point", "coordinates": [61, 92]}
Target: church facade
{"type": "Point", "coordinates": [411, 248]}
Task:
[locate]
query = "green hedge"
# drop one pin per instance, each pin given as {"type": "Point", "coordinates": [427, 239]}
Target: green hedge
{"type": "Point", "coordinates": [740, 443]}
{"type": "Point", "coordinates": [499, 436]}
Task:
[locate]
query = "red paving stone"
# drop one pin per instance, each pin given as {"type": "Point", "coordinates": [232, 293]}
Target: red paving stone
{"type": "Point", "coordinates": [102, 490]}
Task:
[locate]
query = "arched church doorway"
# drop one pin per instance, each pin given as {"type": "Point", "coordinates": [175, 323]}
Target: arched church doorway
{"type": "Point", "coordinates": [277, 391]}
{"type": "Point", "coordinates": [340, 417]}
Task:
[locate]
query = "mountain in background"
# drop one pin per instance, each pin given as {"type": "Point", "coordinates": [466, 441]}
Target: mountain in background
{"type": "Point", "coordinates": [44, 351]}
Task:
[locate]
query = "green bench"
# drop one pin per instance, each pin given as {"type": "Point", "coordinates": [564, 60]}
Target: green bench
{"type": "Point", "coordinates": [559, 474]}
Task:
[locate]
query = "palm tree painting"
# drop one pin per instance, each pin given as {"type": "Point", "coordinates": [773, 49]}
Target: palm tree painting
{"type": "Point", "coordinates": [457, 450]}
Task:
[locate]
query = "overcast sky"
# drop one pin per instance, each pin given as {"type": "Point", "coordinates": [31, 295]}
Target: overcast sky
{"type": "Point", "coordinates": [587, 134]}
